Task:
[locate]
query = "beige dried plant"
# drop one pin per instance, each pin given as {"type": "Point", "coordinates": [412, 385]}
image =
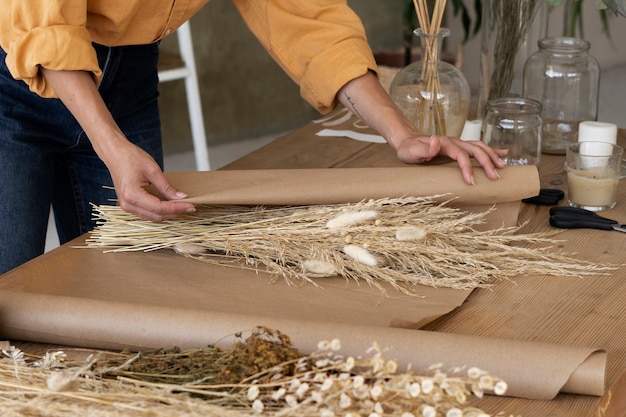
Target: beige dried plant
{"type": "Point", "coordinates": [323, 384]}
{"type": "Point", "coordinates": [402, 242]}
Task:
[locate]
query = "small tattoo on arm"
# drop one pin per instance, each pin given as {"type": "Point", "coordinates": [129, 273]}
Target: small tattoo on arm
{"type": "Point", "coordinates": [353, 106]}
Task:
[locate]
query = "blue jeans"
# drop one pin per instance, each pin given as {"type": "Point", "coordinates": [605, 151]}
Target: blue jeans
{"type": "Point", "coordinates": [47, 160]}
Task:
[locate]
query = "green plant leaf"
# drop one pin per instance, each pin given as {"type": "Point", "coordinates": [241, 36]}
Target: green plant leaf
{"type": "Point", "coordinates": [616, 6]}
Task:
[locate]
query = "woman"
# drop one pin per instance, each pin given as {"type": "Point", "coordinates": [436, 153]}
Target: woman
{"type": "Point", "coordinates": [79, 122]}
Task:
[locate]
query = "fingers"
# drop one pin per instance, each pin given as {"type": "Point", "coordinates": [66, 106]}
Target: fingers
{"type": "Point", "coordinates": [422, 149]}
{"type": "Point", "coordinates": [149, 207]}
{"type": "Point", "coordinates": [488, 158]}
{"type": "Point", "coordinates": [131, 176]}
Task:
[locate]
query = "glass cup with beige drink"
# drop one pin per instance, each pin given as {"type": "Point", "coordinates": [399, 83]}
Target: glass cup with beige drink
{"type": "Point", "coordinates": [593, 171]}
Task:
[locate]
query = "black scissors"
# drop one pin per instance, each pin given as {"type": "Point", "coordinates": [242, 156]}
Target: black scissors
{"type": "Point", "coordinates": [577, 218]}
{"type": "Point", "coordinates": [546, 197]}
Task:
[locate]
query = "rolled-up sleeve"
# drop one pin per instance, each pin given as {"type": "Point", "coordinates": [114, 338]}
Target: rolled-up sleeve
{"type": "Point", "coordinates": [321, 44]}
{"type": "Point", "coordinates": [50, 34]}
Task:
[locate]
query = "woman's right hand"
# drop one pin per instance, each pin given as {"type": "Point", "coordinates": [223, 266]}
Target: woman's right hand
{"type": "Point", "coordinates": [131, 168]}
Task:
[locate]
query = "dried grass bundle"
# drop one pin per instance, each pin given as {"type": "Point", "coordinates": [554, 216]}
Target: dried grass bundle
{"type": "Point", "coordinates": [398, 241]}
{"type": "Point", "coordinates": [323, 384]}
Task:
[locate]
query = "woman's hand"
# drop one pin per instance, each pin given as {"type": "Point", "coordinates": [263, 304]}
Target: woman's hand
{"type": "Point", "coordinates": [131, 168]}
{"type": "Point", "coordinates": [418, 149]}
{"type": "Point", "coordinates": [366, 98]}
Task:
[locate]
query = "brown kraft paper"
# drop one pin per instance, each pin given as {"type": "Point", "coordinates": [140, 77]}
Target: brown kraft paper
{"type": "Point", "coordinates": [531, 370]}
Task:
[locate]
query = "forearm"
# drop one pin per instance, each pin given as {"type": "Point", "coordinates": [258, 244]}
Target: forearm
{"type": "Point", "coordinates": [131, 168]}
{"type": "Point", "coordinates": [77, 90]}
{"type": "Point", "coordinates": [367, 99]}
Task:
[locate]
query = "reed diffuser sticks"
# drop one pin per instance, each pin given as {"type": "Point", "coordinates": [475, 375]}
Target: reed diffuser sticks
{"type": "Point", "coordinates": [430, 112]}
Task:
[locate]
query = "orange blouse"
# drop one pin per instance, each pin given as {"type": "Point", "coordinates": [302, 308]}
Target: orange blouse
{"type": "Point", "coordinates": [321, 44]}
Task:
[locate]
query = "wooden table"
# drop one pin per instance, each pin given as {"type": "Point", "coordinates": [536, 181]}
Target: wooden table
{"type": "Point", "coordinates": [585, 312]}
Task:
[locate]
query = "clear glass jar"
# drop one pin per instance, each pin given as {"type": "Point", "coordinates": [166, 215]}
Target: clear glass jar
{"type": "Point", "coordinates": [565, 79]}
{"type": "Point", "coordinates": [432, 94]}
{"type": "Point", "coordinates": [514, 123]}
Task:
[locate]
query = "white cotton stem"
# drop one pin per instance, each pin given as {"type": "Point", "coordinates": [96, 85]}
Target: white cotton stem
{"type": "Point", "coordinates": [409, 233]}
{"type": "Point", "coordinates": [62, 382]}
{"type": "Point", "coordinates": [360, 254]}
{"type": "Point", "coordinates": [189, 249]}
{"type": "Point", "coordinates": [351, 218]}
{"type": "Point", "coordinates": [318, 267]}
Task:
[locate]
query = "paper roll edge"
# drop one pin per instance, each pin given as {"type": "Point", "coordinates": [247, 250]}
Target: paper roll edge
{"type": "Point", "coordinates": [589, 378]}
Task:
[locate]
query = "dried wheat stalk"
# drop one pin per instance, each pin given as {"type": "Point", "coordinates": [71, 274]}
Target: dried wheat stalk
{"type": "Point", "coordinates": [397, 241]}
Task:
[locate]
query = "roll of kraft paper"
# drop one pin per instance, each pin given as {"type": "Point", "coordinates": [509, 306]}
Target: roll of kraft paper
{"type": "Point", "coordinates": [348, 185]}
{"type": "Point", "coordinates": [531, 370]}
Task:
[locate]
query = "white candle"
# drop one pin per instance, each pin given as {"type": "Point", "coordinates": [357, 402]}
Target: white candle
{"type": "Point", "coordinates": [596, 149]}
{"type": "Point", "coordinates": [471, 130]}
{"type": "Point", "coordinates": [595, 187]}
{"type": "Point", "coordinates": [590, 131]}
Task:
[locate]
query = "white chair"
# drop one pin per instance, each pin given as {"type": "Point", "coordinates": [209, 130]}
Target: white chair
{"type": "Point", "coordinates": [185, 68]}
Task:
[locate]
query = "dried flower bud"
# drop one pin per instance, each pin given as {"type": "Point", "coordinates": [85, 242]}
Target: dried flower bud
{"type": "Point", "coordinates": [302, 389]}
{"type": "Point", "coordinates": [486, 382]}
{"type": "Point", "coordinates": [454, 412]}
{"type": "Point", "coordinates": [428, 385]}
{"type": "Point", "coordinates": [429, 411]}
{"type": "Point", "coordinates": [291, 400]}
{"type": "Point", "coordinates": [327, 384]}
{"type": "Point", "coordinates": [351, 219]}
{"type": "Point", "coordinates": [415, 389]}
{"type": "Point", "coordinates": [189, 249]}
{"type": "Point", "coordinates": [360, 254]}
{"type": "Point", "coordinates": [349, 364]}
{"type": "Point", "coordinates": [62, 382]}
{"type": "Point", "coordinates": [344, 401]}
{"type": "Point", "coordinates": [358, 381]}
{"type": "Point", "coordinates": [376, 391]}
{"type": "Point", "coordinates": [500, 388]}
{"type": "Point", "coordinates": [278, 394]}
{"type": "Point", "coordinates": [391, 366]}
{"type": "Point", "coordinates": [410, 233]}
{"type": "Point", "coordinates": [258, 406]}
{"type": "Point", "coordinates": [474, 372]}
{"type": "Point", "coordinates": [253, 393]}
{"type": "Point", "coordinates": [323, 345]}
{"type": "Point", "coordinates": [319, 267]}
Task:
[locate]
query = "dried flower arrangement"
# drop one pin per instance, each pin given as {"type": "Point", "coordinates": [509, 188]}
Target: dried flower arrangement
{"type": "Point", "coordinates": [161, 383]}
{"type": "Point", "coordinates": [398, 241]}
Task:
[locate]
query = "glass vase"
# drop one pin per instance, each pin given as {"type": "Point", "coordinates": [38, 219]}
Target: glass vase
{"type": "Point", "coordinates": [565, 79]}
{"type": "Point", "coordinates": [509, 34]}
{"type": "Point", "coordinates": [432, 94]}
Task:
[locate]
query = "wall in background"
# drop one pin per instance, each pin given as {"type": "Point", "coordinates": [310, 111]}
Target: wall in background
{"type": "Point", "coordinates": [244, 92]}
